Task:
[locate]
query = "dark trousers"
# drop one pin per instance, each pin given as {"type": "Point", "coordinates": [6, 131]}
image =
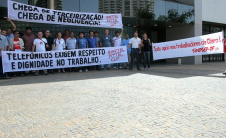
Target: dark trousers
{"type": "Point", "coordinates": [147, 59]}
{"type": "Point", "coordinates": [135, 52]}
{"type": "Point", "coordinates": [1, 69]}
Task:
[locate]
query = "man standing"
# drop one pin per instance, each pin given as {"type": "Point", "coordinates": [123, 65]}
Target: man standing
{"type": "Point", "coordinates": [40, 44]}
{"type": "Point", "coordinates": [117, 39]}
{"type": "Point", "coordinates": [97, 39]}
{"type": "Point", "coordinates": [106, 41]}
{"type": "Point", "coordinates": [16, 44]}
{"type": "Point", "coordinates": [91, 43]}
{"type": "Point", "coordinates": [50, 43]}
{"type": "Point", "coordinates": [3, 46]}
{"type": "Point", "coordinates": [28, 39]}
{"type": "Point", "coordinates": [66, 35]}
{"type": "Point", "coordinates": [9, 31]}
{"type": "Point", "coordinates": [71, 44]}
{"type": "Point", "coordinates": [125, 42]}
{"type": "Point", "coordinates": [136, 44]}
{"type": "Point", "coordinates": [82, 43]}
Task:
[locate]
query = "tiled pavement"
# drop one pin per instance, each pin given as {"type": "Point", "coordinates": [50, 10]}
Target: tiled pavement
{"type": "Point", "coordinates": [167, 101]}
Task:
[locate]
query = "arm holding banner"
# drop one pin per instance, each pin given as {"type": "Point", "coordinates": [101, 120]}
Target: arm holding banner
{"type": "Point", "coordinates": [14, 26]}
{"type": "Point", "coordinates": [122, 31]}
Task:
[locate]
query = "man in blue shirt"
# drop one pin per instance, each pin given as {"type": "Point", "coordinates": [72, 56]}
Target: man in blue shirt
{"type": "Point", "coordinates": [92, 44]}
{"type": "Point", "coordinates": [106, 41]}
{"type": "Point", "coordinates": [82, 43]}
{"type": "Point", "coordinates": [125, 42]}
{"type": "Point", "coordinates": [91, 40]}
{"type": "Point", "coordinates": [3, 47]}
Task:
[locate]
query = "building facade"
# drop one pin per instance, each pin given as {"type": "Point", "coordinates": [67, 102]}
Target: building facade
{"type": "Point", "coordinates": [125, 7]}
{"type": "Point", "coordinates": [174, 19]}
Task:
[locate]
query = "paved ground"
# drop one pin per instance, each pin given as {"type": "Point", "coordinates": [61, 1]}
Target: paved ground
{"type": "Point", "coordinates": [168, 101]}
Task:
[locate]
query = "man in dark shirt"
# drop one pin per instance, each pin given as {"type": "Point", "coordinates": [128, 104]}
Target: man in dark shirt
{"type": "Point", "coordinates": [49, 40]}
{"type": "Point", "coordinates": [50, 43]}
{"type": "Point", "coordinates": [28, 39]}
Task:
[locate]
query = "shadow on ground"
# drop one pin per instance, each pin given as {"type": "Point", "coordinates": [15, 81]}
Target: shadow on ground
{"type": "Point", "coordinates": [176, 73]}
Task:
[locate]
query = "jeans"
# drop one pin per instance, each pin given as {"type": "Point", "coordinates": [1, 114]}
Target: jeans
{"type": "Point", "coordinates": [147, 59]}
{"type": "Point", "coordinates": [108, 65]}
{"type": "Point", "coordinates": [37, 72]}
{"type": "Point", "coordinates": [135, 52]}
{"type": "Point", "coordinates": [117, 65]}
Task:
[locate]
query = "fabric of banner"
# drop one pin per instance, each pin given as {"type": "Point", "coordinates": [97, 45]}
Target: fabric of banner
{"type": "Point", "coordinates": [201, 45]}
{"type": "Point", "coordinates": [25, 61]}
{"type": "Point", "coordinates": [22, 12]}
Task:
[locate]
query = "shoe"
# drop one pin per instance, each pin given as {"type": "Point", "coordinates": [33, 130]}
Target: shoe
{"type": "Point", "coordinates": [130, 69]}
{"type": "Point", "coordinates": [108, 68]}
{"type": "Point", "coordinates": [45, 74]}
{"type": "Point", "coordinates": [125, 68]}
{"type": "Point", "coordinates": [58, 71]}
{"type": "Point", "coordinates": [36, 74]}
{"type": "Point", "coordinates": [114, 67]}
{"type": "Point", "coordinates": [138, 69]}
{"type": "Point", "coordinates": [120, 67]}
{"type": "Point", "coordinates": [148, 68]}
{"type": "Point", "coordinates": [7, 77]}
{"type": "Point", "coordinates": [63, 71]}
{"type": "Point", "coordinates": [86, 70]}
{"type": "Point", "coordinates": [80, 70]}
{"type": "Point", "coordinates": [14, 75]}
{"type": "Point", "coordinates": [145, 69]}
{"type": "Point", "coordinates": [22, 75]}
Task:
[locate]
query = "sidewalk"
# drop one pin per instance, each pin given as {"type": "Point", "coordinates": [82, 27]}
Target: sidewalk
{"type": "Point", "coordinates": [167, 101]}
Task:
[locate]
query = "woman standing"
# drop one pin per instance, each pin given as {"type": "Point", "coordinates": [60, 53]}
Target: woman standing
{"type": "Point", "coordinates": [146, 44]}
{"type": "Point", "coordinates": [59, 45]}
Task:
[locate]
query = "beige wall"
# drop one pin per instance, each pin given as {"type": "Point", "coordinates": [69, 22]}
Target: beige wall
{"type": "Point", "coordinates": [214, 11]}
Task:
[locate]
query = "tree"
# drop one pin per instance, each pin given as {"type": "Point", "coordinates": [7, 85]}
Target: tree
{"type": "Point", "coordinates": [174, 16]}
{"type": "Point", "coordinates": [145, 13]}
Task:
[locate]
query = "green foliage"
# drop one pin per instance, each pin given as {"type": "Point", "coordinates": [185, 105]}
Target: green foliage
{"type": "Point", "coordinates": [145, 13]}
{"type": "Point", "coordinates": [174, 16]}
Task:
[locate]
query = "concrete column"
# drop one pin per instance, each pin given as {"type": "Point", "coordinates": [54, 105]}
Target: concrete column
{"type": "Point", "coordinates": [50, 4]}
{"type": "Point", "coordinates": [198, 25]}
{"type": "Point", "coordinates": [179, 61]}
{"type": "Point", "coordinates": [131, 8]}
{"type": "Point", "coordinates": [123, 7]}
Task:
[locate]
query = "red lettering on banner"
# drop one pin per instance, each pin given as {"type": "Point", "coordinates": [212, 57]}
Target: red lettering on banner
{"type": "Point", "coordinates": [115, 55]}
{"type": "Point", "coordinates": [203, 49]}
{"type": "Point", "coordinates": [112, 16]}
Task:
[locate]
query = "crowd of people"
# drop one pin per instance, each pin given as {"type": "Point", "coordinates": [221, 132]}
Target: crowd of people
{"type": "Point", "coordinates": [12, 40]}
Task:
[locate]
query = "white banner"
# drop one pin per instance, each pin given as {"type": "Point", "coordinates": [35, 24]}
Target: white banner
{"type": "Point", "coordinates": [201, 45]}
{"type": "Point", "coordinates": [22, 12]}
{"type": "Point", "coordinates": [13, 61]}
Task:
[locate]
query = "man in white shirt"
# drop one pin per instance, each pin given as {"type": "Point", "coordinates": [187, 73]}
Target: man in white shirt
{"type": "Point", "coordinates": [40, 44]}
{"type": "Point", "coordinates": [117, 39]}
{"type": "Point", "coordinates": [71, 42]}
{"type": "Point", "coordinates": [136, 44]}
{"type": "Point", "coordinates": [71, 45]}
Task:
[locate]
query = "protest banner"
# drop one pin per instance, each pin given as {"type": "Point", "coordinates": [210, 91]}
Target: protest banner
{"type": "Point", "coordinates": [201, 45]}
{"type": "Point", "coordinates": [22, 12]}
{"type": "Point", "coordinates": [14, 61]}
